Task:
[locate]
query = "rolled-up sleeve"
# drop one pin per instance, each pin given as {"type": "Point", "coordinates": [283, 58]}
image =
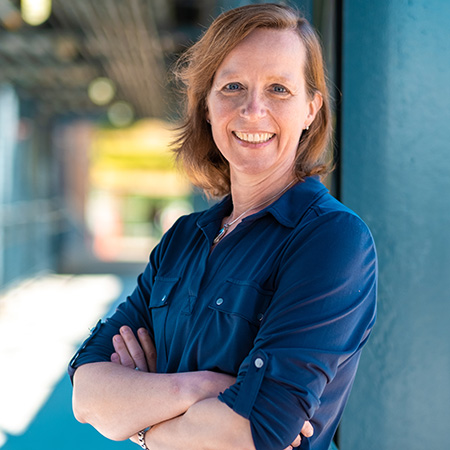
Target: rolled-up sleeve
{"type": "Point", "coordinates": [320, 316]}
{"type": "Point", "coordinates": [133, 312]}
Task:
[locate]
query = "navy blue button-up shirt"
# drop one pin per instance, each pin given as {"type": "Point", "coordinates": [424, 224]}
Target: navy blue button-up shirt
{"type": "Point", "coordinates": [285, 302]}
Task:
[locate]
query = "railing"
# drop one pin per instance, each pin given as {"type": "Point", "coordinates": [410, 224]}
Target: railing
{"type": "Point", "coordinates": [29, 234]}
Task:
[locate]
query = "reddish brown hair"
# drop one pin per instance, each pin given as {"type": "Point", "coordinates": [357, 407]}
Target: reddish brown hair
{"type": "Point", "coordinates": [195, 147]}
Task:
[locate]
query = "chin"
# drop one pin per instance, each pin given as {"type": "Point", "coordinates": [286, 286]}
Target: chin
{"type": "Point", "coordinates": [253, 169]}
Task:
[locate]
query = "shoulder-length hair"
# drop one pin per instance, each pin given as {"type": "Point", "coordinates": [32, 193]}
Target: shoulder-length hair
{"type": "Point", "coordinates": [195, 148]}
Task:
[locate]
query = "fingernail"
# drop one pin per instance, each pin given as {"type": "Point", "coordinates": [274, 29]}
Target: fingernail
{"type": "Point", "coordinates": [117, 338]}
{"type": "Point", "coordinates": [142, 331]}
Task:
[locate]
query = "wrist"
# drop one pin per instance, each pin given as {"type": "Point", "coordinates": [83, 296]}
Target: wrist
{"type": "Point", "coordinates": [141, 438]}
{"type": "Point", "coordinates": [201, 386]}
{"type": "Point", "coordinates": [192, 386]}
{"type": "Point", "coordinates": [208, 384]}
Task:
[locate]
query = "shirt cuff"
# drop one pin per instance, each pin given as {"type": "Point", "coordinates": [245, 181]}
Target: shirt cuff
{"type": "Point", "coordinates": [249, 389]}
{"type": "Point", "coordinates": [272, 410]}
{"type": "Point", "coordinates": [74, 362]}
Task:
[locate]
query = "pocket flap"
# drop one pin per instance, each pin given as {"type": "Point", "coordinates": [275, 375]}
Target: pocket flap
{"type": "Point", "coordinates": [242, 298]}
{"type": "Point", "coordinates": [161, 291]}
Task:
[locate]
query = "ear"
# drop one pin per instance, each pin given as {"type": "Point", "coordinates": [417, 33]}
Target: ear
{"type": "Point", "coordinates": [314, 107]}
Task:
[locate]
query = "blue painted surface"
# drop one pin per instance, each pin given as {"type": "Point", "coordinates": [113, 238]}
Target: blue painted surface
{"type": "Point", "coordinates": [55, 427]}
{"type": "Point", "coordinates": [396, 175]}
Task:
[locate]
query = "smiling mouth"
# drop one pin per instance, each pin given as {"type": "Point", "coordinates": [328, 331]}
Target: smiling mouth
{"type": "Point", "coordinates": [254, 138]}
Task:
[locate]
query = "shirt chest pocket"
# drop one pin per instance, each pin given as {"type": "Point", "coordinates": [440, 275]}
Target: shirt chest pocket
{"type": "Point", "coordinates": [237, 311]}
{"type": "Point", "coordinates": [242, 299]}
{"type": "Point", "coordinates": [162, 292]}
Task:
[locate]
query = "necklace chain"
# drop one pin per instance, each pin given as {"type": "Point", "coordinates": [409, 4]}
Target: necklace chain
{"type": "Point", "coordinates": [224, 229]}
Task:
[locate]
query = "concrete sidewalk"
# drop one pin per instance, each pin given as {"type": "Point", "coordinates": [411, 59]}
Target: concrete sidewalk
{"type": "Point", "coordinates": [42, 322]}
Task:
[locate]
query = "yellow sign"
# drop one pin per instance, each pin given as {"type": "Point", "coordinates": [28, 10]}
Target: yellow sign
{"type": "Point", "coordinates": [137, 160]}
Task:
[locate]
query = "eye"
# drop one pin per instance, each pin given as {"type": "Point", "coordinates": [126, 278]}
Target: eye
{"type": "Point", "coordinates": [232, 87]}
{"type": "Point", "coordinates": [279, 89]}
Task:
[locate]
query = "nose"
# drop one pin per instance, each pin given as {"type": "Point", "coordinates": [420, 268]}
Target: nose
{"type": "Point", "coordinates": [254, 106]}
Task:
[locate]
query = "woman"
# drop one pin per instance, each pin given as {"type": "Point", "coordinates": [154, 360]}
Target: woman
{"type": "Point", "coordinates": [258, 307]}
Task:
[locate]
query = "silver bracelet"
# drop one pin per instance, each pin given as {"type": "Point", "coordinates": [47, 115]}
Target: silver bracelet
{"type": "Point", "coordinates": [141, 437]}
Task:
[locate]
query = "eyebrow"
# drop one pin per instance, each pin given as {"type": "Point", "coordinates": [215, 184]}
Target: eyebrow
{"type": "Point", "coordinates": [276, 77]}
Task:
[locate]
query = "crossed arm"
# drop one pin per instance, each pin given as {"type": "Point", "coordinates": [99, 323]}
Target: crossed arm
{"type": "Point", "coordinates": [182, 408]}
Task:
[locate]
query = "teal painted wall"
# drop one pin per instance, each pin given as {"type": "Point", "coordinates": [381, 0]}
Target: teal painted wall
{"type": "Point", "coordinates": [396, 175]}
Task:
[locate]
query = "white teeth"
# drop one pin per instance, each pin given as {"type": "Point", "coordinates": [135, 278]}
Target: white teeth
{"type": "Point", "coordinates": [254, 138]}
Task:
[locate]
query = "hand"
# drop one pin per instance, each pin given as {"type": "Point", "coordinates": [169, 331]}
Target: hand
{"type": "Point", "coordinates": [307, 431]}
{"type": "Point", "coordinates": [130, 352]}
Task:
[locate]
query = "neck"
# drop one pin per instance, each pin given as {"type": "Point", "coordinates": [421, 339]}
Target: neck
{"type": "Point", "coordinates": [248, 193]}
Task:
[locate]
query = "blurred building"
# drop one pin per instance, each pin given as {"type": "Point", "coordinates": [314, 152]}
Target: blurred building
{"type": "Point", "coordinates": [79, 87]}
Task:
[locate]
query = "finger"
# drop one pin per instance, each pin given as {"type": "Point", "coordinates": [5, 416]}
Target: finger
{"type": "Point", "coordinates": [115, 358]}
{"type": "Point", "coordinates": [134, 348]}
{"type": "Point", "coordinates": [297, 441]}
{"type": "Point", "coordinates": [120, 348]}
{"type": "Point", "coordinates": [149, 349]}
{"type": "Point", "coordinates": [307, 429]}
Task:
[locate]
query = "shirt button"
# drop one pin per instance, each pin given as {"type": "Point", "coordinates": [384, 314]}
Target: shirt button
{"type": "Point", "coordinates": [164, 298]}
{"type": "Point", "coordinates": [259, 363]}
{"type": "Point", "coordinates": [260, 316]}
{"type": "Point", "coordinates": [219, 301]}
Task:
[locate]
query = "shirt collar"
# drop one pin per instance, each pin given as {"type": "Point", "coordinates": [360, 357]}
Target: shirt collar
{"type": "Point", "coordinates": [216, 213]}
{"type": "Point", "coordinates": [287, 210]}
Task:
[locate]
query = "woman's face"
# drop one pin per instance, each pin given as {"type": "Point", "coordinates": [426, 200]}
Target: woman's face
{"type": "Point", "coordinates": [258, 105]}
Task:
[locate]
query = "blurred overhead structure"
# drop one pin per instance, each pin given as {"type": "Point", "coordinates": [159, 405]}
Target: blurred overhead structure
{"type": "Point", "coordinates": [48, 119]}
{"type": "Point", "coordinates": [130, 42]}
